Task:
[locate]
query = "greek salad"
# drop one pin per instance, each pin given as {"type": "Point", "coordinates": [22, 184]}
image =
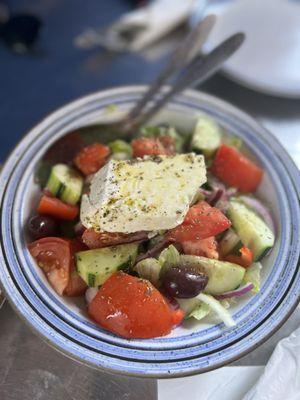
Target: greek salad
{"type": "Point", "coordinates": [153, 231]}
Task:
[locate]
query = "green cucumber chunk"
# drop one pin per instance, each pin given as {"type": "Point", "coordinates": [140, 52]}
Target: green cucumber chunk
{"type": "Point", "coordinates": [96, 266]}
{"type": "Point", "coordinates": [207, 136]}
{"type": "Point", "coordinates": [66, 183]}
{"type": "Point", "coordinates": [120, 147]}
{"type": "Point", "coordinates": [223, 276]}
{"type": "Point", "coordinates": [252, 275]}
{"type": "Point", "coordinates": [233, 141]}
{"type": "Point", "coordinates": [252, 230]}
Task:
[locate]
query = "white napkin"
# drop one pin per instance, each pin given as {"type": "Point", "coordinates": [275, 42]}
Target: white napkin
{"type": "Point", "coordinates": [227, 383]}
{"type": "Point", "coordinates": [281, 377]}
{"type": "Point", "coordinates": [159, 18]}
{"type": "Point", "coordinates": [143, 26]}
{"type": "Point", "coordinates": [279, 380]}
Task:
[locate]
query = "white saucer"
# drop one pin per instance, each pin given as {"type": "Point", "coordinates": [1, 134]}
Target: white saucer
{"type": "Point", "coordinates": [269, 60]}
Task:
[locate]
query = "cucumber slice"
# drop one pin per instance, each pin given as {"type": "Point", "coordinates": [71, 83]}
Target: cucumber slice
{"type": "Point", "coordinates": [96, 266]}
{"type": "Point", "coordinates": [252, 275]}
{"type": "Point", "coordinates": [223, 276]}
{"type": "Point", "coordinates": [207, 136]}
{"type": "Point", "coordinates": [252, 230]}
{"type": "Point", "coordinates": [64, 182]}
{"type": "Point", "coordinates": [120, 147]}
{"type": "Point", "coordinates": [233, 141]}
{"type": "Point", "coordinates": [230, 243]}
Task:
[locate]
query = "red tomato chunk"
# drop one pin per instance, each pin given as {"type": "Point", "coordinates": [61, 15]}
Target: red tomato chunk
{"type": "Point", "coordinates": [133, 308]}
{"type": "Point", "coordinates": [91, 158]}
{"type": "Point", "coordinates": [235, 169]}
{"type": "Point", "coordinates": [245, 259]}
{"type": "Point", "coordinates": [202, 221]}
{"type": "Point", "coordinates": [153, 146]}
{"type": "Point", "coordinates": [55, 256]}
{"type": "Point", "coordinates": [56, 208]}
{"type": "Point", "coordinates": [203, 247]}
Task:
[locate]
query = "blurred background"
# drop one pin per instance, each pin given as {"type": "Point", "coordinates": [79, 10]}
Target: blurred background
{"type": "Point", "coordinates": [52, 55]}
{"type": "Point", "coordinates": [54, 51]}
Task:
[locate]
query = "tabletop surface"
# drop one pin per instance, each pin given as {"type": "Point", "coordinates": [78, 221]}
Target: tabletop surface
{"type": "Point", "coordinates": [33, 86]}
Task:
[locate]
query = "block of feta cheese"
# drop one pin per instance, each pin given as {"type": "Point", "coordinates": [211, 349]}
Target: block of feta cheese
{"type": "Point", "coordinates": [152, 193]}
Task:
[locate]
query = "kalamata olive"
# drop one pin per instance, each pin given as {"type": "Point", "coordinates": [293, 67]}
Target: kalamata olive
{"type": "Point", "coordinates": [40, 226]}
{"type": "Point", "coordinates": [184, 281]}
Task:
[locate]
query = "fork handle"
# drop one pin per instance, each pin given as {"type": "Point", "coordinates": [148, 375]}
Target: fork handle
{"type": "Point", "coordinates": [197, 72]}
{"type": "Point", "coordinates": [182, 55]}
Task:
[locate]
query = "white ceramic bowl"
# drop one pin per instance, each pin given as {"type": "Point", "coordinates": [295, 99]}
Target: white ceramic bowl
{"type": "Point", "coordinates": [194, 347]}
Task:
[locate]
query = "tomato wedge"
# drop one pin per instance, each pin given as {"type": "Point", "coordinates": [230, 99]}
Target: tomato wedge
{"type": "Point", "coordinates": [76, 286]}
{"type": "Point", "coordinates": [91, 158]}
{"type": "Point", "coordinates": [52, 206]}
{"type": "Point", "coordinates": [96, 240]}
{"type": "Point", "coordinates": [177, 316]}
{"type": "Point", "coordinates": [203, 247]}
{"type": "Point", "coordinates": [55, 256]}
{"type": "Point", "coordinates": [245, 259]}
{"type": "Point", "coordinates": [132, 307]}
{"type": "Point", "coordinates": [152, 146]}
{"type": "Point", "coordinates": [178, 313]}
{"type": "Point", "coordinates": [201, 221]}
{"type": "Point", "coordinates": [235, 169]}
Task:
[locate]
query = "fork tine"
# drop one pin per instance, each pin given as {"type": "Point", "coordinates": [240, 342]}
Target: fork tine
{"type": "Point", "coordinates": [182, 55]}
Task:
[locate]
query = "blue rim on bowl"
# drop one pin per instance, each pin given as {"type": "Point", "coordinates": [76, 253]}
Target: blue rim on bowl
{"type": "Point", "coordinates": [189, 351]}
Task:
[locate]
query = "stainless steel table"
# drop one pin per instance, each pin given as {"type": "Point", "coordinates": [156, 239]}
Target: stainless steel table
{"type": "Point", "coordinates": [30, 370]}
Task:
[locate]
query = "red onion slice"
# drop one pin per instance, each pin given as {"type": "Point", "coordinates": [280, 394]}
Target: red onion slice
{"type": "Point", "coordinates": [205, 193]}
{"type": "Point", "coordinates": [231, 192]}
{"type": "Point", "coordinates": [215, 196]}
{"type": "Point", "coordinates": [79, 228]}
{"type": "Point", "coordinates": [241, 291]}
{"type": "Point", "coordinates": [218, 196]}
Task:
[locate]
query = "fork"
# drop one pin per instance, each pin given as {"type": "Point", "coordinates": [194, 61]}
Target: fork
{"type": "Point", "coordinates": [189, 69]}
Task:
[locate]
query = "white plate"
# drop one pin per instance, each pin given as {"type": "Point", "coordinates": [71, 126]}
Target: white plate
{"type": "Point", "coordinates": [269, 60]}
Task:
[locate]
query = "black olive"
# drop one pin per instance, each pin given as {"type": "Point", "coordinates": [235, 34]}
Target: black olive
{"type": "Point", "coordinates": [40, 226]}
{"type": "Point", "coordinates": [184, 281]}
